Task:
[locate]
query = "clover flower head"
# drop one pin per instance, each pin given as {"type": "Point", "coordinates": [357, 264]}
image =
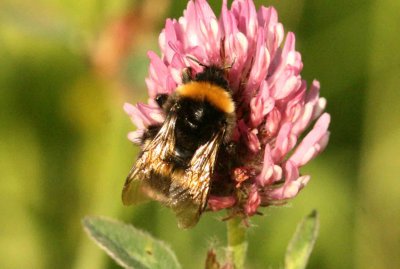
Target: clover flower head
{"type": "Point", "coordinates": [274, 105]}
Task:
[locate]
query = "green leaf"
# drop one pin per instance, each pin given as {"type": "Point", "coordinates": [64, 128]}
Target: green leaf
{"type": "Point", "coordinates": [302, 243]}
{"type": "Point", "coordinates": [128, 246]}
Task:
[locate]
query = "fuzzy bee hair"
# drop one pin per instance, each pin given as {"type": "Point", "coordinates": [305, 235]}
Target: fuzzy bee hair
{"type": "Point", "coordinates": [178, 158]}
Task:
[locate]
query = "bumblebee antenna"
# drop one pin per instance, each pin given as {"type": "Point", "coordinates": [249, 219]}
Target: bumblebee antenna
{"type": "Point", "coordinates": [195, 60]}
{"type": "Point", "coordinates": [226, 67]}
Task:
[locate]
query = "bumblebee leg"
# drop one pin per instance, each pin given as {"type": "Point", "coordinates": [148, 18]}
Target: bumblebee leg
{"type": "Point", "coordinates": [187, 75]}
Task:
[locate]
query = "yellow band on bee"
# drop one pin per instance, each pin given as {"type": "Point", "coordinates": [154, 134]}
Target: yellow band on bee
{"type": "Point", "coordinates": [214, 94]}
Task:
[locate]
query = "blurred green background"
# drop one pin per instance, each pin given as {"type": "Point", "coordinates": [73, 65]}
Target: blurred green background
{"type": "Point", "coordinates": [67, 67]}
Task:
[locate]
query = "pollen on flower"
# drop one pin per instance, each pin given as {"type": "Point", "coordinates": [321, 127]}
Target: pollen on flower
{"type": "Point", "coordinates": [274, 106]}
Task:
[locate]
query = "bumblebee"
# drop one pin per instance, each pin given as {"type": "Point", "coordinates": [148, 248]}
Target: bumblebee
{"type": "Point", "coordinates": [178, 159]}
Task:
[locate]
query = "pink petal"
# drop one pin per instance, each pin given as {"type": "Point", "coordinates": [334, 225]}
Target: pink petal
{"type": "Point", "coordinates": [270, 172]}
{"type": "Point", "coordinates": [167, 37]}
{"type": "Point", "coordinates": [291, 187]}
{"type": "Point", "coordinates": [227, 20]}
{"type": "Point", "coordinates": [143, 115]}
{"type": "Point", "coordinates": [261, 105]}
{"type": "Point", "coordinates": [176, 68]}
{"type": "Point", "coordinates": [268, 19]}
{"type": "Point", "coordinates": [236, 48]}
{"type": "Point", "coordinates": [310, 110]}
{"type": "Point", "coordinates": [246, 16]}
{"type": "Point", "coordinates": [249, 136]}
{"type": "Point", "coordinates": [220, 202]}
{"type": "Point", "coordinates": [136, 136]}
{"type": "Point", "coordinates": [260, 66]}
{"type": "Point", "coordinates": [162, 82]}
{"type": "Point", "coordinates": [285, 141]}
{"type": "Point", "coordinates": [287, 85]}
{"type": "Point", "coordinates": [319, 108]}
{"type": "Point", "coordinates": [313, 98]}
{"type": "Point", "coordinates": [273, 122]}
{"type": "Point", "coordinates": [253, 201]}
{"type": "Point", "coordinates": [314, 142]}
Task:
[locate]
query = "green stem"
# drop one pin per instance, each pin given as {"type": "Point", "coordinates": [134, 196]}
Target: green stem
{"type": "Point", "coordinates": [237, 242]}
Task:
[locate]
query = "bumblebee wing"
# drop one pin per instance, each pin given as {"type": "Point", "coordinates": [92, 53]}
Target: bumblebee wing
{"type": "Point", "coordinates": [149, 176]}
{"type": "Point", "coordinates": [188, 192]}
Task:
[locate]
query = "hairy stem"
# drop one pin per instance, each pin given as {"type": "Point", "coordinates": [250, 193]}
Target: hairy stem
{"type": "Point", "coordinates": [237, 242]}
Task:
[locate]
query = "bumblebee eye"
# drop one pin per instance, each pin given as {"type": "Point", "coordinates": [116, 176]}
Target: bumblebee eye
{"type": "Point", "coordinates": [161, 99]}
